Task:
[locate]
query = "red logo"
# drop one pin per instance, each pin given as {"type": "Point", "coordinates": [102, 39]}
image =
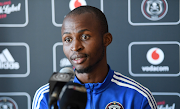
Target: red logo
{"type": "Point", "coordinates": [76, 3]}
{"type": "Point", "coordinates": [155, 56]}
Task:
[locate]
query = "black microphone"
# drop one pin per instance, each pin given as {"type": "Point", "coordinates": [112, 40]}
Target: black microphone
{"type": "Point", "coordinates": [57, 81]}
{"type": "Point", "coordinates": [73, 96]}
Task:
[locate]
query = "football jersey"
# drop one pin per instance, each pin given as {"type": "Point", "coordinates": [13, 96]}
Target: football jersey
{"type": "Point", "coordinates": [115, 92]}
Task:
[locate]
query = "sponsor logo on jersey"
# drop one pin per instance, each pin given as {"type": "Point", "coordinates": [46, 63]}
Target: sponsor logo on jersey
{"type": "Point", "coordinates": [154, 9]}
{"type": "Point", "coordinates": [7, 103]}
{"type": "Point", "coordinates": [114, 105]}
{"type": "Point", "coordinates": [163, 105]}
{"type": "Point", "coordinates": [7, 61]}
{"type": "Point", "coordinates": [155, 56]}
{"type": "Point", "coordinates": [76, 3]}
{"type": "Point", "coordinates": [7, 7]}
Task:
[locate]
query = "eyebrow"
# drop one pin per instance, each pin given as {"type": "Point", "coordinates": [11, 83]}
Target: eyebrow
{"type": "Point", "coordinates": [80, 31]}
{"type": "Point", "coordinates": [66, 33]}
{"type": "Point", "coordinates": [83, 30]}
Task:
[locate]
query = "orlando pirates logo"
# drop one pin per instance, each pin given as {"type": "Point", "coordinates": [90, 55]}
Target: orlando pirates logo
{"type": "Point", "coordinates": [154, 9]}
{"type": "Point", "coordinates": [114, 105]}
{"type": "Point", "coordinates": [7, 103]}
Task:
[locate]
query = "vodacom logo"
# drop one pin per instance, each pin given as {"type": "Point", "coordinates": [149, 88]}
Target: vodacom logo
{"type": "Point", "coordinates": [76, 3]}
{"type": "Point", "coordinates": [155, 56]}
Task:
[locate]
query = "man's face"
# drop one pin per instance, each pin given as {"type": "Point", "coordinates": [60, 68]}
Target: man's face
{"type": "Point", "coordinates": [82, 41]}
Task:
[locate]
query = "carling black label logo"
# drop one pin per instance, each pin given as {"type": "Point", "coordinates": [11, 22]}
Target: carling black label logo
{"type": "Point", "coordinates": [164, 105]}
{"type": "Point", "coordinates": [7, 7]}
{"type": "Point", "coordinates": [13, 13]}
{"type": "Point", "coordinates": [153, 12]}
{"type": "Point", "coordinates": [14, 60]}
{"type": "Point", "coordinates": [61, 7]}
{"type": "Point", "coordinates": [154, 59]}
{"type": "Point", "coordinates": [167, 100]}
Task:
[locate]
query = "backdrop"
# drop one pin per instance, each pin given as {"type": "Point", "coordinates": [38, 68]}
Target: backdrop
{"type": "Point", "coordinates": [145, 47]}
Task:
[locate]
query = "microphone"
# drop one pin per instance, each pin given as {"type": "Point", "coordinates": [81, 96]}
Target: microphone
{"type": "Point", "coordinates": [57, 81]}
{"type": "Point", "coordinates": [73, 96]}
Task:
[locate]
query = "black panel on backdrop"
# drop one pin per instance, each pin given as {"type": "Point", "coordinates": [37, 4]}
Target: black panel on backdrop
{"type": "Point", "coordinates": [62, 7]}
{"type": "Point", "coordinates": [13, 60]}
{"type": "Point", "coordinates": [14, 100]}
{"type": "Point", "coordinates": [171, 6]}
{"type": "Point", "coordinates": [167, 100]}
{"type": "Point", "coordinates": [59, 59]}
{"type": "Point", "coordinates": [164, 61]}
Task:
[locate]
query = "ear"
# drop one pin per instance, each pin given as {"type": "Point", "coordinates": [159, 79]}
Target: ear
{"type": "Point", "coordinates": [107, 39]}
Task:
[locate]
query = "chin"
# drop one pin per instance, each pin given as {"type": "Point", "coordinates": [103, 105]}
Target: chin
{"type": "Point", "coordinates": [84, 70]}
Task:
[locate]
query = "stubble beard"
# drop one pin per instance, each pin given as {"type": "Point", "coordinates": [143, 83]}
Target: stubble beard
{"type": "Point", "coordinates": [90, 67]}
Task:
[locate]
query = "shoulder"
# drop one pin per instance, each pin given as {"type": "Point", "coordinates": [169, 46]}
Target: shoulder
{"type": "Point", "coordinates": [41, 97]}
{"type": "Point", "coordinates": [134, 86]}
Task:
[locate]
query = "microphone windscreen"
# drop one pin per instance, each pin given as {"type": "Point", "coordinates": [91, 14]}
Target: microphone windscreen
{"type": "Point", "coordinates": [73, 96]}
{"type": "Point", "coordinates": [57, 81]}
{"type": "Point", "coordinates": [67, 70]}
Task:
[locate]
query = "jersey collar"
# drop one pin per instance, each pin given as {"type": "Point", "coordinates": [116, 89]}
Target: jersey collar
{"type": "Point", "coordinates": [97, 87]}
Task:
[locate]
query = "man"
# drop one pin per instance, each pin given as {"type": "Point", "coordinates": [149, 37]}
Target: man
{"type": "Point", "coordinates": [85, 37]}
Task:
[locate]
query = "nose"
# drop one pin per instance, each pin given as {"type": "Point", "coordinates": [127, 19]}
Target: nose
{"type": "Point", "coordinates": [76, 45]}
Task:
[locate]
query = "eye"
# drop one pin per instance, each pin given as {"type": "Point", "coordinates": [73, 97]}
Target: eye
{"type": "Point", "coordinates": [68, 40]}
{"type": "Point", "coordinates": [85, 37]}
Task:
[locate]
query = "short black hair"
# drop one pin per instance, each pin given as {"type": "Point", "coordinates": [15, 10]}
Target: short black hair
{"type": "Point", "coordinates": [97, 12]}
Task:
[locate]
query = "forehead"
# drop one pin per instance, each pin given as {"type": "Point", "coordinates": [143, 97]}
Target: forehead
{"type": "Point", "coordinates": [82, 21]}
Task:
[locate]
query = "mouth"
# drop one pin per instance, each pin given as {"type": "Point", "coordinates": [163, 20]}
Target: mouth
{"type": "Point", "coordinates": [78, 58]}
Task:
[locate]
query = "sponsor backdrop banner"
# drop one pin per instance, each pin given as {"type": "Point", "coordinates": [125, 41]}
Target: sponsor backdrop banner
{"type": "Point", "coordinates": [145, 46]}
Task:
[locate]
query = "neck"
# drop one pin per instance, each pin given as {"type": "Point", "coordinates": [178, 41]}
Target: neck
{"type": "Point", "coordinates": [98, 74]}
